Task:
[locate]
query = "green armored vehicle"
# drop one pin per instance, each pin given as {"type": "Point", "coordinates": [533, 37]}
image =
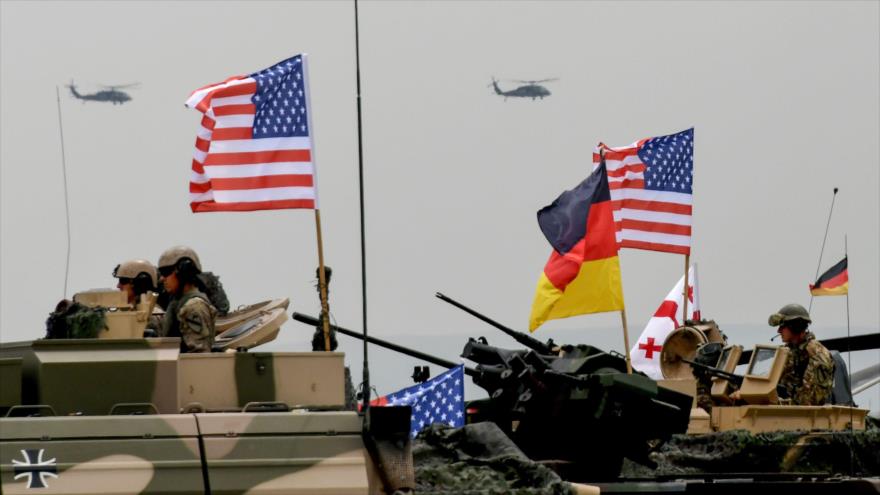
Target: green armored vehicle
{"type": "Point", "coordinates": [135, 415]}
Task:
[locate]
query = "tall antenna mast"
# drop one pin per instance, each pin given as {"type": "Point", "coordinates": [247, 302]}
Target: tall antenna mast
{"type": "Point", "coordinates": [828, 224]}
{"type": "Point", "coordinates": [66, 203]}
{"type": "Point", "coordinates": [357, 57]}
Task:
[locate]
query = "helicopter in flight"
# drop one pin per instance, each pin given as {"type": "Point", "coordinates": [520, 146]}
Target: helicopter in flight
{"type": "Point", "coordinates": [530, 89]}
{"type": "Point", "coordinates": [111, 94]}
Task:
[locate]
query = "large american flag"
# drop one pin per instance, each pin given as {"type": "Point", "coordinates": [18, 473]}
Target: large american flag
{"type": "Point", "coordinates": [438, 400]}
{"type": "Point", "coordinates": [651, 185]}
{"type": "Point", "coordinates": [254, 144]}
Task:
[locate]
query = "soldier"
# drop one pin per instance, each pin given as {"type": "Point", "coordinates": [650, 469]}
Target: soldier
{"type": "Point", "coordinates": [808, 376]}
{"type": "Point", "coordinates": [209, 283]}
{"type": "Point", "coordinates": [138, 277]}
{"type": "Point", "coordinates": [135, 277]}
{"type": "Point", "coordinates": [189, 314]}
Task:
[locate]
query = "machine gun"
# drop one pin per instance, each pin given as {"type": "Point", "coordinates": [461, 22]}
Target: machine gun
{"type": "Point", "coordinates": [524, 339]}
{"type": "Point", "coordinates": [573, 405]}
{"type": "Point", "coordinates": [709, 370]}
{"type": "Point", "coordinates": [311, 320]}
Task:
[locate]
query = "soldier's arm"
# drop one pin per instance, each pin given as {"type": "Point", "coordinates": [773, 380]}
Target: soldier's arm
{"type": "Point", "coordinates": [197, 325]}
{"type": "Point", "coordinates": [816, 386]}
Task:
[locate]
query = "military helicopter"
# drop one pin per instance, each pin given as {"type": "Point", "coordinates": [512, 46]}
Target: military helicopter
{"type": "Point", "coordinates": [531, 89]}
{"type": "Point", "coordinates": [109, 93]}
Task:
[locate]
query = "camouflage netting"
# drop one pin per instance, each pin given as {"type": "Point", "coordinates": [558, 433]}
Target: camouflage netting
{"type": "Point", "coordinates": [777, 452]}
{"type": "Point", "coordinates": [478, 459]}
{"type": "Point", "coordinates": [72, 320]}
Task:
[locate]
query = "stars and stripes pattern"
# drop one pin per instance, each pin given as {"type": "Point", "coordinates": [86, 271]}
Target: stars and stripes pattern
{"type": "Point", "coordinates": [438, 400]}
{"type": "Point", "coordinates": [254, 144]}
{"type": "Point", "coordinates": [651, 185]}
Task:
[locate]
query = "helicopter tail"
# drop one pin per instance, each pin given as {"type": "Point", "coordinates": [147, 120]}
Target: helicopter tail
{"type": "Point", "coordinates": [495, 86]}
{"type": "Point", "coordinates": [73, 91]}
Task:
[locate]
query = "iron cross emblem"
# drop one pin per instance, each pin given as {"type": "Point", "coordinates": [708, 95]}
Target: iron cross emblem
{"type": "Point", "coordinates": [35, 468]}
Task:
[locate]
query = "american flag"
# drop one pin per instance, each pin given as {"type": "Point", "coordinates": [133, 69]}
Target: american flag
{"type": "Point", "coordinates": [254, 144]}
{"type": "Point", "coordinates": [651, 185]}
{"type": "Point", "coordinates": [438, 400]}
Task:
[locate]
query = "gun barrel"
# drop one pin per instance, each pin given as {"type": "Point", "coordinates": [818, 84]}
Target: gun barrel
{"type": "Point", "coordinates": [715, 372]}
{"type": "Point", "coordinates": [520, 337]}
{"type": "Point", "coordinates": [311, 320]}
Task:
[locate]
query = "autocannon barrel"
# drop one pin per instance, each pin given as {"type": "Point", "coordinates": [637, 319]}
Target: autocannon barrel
{"type": "Point", "coordinates": [524, 339]}
{"type": "Point", "coordinates": [311, 320]}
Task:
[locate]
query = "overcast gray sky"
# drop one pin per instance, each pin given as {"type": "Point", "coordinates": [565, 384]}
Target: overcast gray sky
{"type": "Point", "coordinates": [784, 97]}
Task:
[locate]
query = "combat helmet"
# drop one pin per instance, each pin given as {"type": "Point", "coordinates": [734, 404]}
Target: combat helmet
{"type": "Point", "coordinates": [789, 312]}
{"type": "Point", "coordinates": [134, 268]}
{"type": "Point", "coordinates": [173, 255]}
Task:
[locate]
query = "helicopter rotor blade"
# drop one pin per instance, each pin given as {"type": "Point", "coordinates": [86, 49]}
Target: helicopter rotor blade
{"type": "Point", "coordinates": [537, 81]}
{"type": "Point", "coordinates": [121, 86]}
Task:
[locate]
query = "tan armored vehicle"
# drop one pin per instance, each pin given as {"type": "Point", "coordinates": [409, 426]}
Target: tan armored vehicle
{"type": "Point", "coordinates": [757, 407]}
{"type": "Point", "coordinates": [127, 414]}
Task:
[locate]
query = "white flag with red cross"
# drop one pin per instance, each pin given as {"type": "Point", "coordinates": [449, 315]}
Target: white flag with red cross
{"type": "Point", "coordinates": [645, 354]}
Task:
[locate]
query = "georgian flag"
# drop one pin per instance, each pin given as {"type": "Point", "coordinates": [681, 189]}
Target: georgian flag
{"type": "Point", "coordinates": [645, 354]}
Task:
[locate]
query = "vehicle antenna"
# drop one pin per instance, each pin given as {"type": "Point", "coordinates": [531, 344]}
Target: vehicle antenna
{"type": "Point", "coordinates": [366, 371]}
{"type": "Point", "coordinates": [819, 265]}
{"type": "Point", "coordinates": [852, 403]}
{"type": "Point", "coordinates": [66, 203]}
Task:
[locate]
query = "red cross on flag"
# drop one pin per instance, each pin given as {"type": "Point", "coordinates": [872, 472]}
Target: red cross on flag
{"type": "Point", "coordinates": [645, 354]}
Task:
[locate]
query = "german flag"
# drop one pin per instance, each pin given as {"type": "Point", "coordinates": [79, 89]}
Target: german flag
{"type": "Point", "coordinates": [834, 282]}
{"type": "Point", "coordinates": [583, 273]}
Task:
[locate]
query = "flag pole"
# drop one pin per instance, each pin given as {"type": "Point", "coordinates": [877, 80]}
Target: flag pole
{"type": "Point", "coordinates": [322, 284]}
{"type": "Point", "coordinates": [684, 306]}
{"type": "Point", "coordinates": [629, 368]}
{"type": "Point", "coordinates": [821, 251]}
{"type": "Point", "coordinates": [322, 280]}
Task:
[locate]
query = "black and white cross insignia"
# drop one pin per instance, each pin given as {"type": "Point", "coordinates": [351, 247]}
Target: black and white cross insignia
{"type": "Point", "coordinates": [35, 468]}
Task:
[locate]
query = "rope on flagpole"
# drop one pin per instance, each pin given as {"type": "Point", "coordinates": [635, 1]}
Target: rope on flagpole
{"type": "Point", "coordinates": [66, 202]}
{"type": "Point", "coordinates": [819, 264]}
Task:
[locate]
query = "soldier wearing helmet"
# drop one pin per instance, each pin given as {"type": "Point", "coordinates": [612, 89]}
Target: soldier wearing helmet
{"type": "Point", "coordinates": [808, 376]}
{"type": "Point", "coordinates": [189, 314]}
{"type": "Point", "coordinates": [135, 277]}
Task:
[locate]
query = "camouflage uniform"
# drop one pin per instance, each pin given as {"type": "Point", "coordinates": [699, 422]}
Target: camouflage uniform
{"type": "Point", "coordinates": [192, 319]}
{"type": "Point", "coordinates": [215, 292]}
{"type": "Point", "coordinates": [809, 373]}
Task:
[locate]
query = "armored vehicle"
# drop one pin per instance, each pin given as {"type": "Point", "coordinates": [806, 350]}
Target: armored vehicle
{"type": "Point", "coordinates": [558, 403]}
{"type": "Point", "coordinates": [575, 409]}
{"type": "Point", "coordinates": [121, 413]}
{"type": "Point", "coordinates": [749, 401]}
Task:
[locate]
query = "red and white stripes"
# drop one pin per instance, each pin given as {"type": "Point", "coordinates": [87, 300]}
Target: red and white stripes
{"type": "Point", "coordinates": [232, 171]}
{"type": "Point", "coordinates": [644, 218]}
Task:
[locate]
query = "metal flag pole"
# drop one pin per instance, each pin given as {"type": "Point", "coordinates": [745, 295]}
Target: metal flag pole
{"type": "Point", "coordinates": [684, 306]}
{"type": "Point", "coordinates": [322, 280]}
{"type": "Point", "coordinates": [366, 372]}
{"type": "Point", "coordinates": [66, 203]}
{"type": "Point", "coordinates": [819, 264]}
